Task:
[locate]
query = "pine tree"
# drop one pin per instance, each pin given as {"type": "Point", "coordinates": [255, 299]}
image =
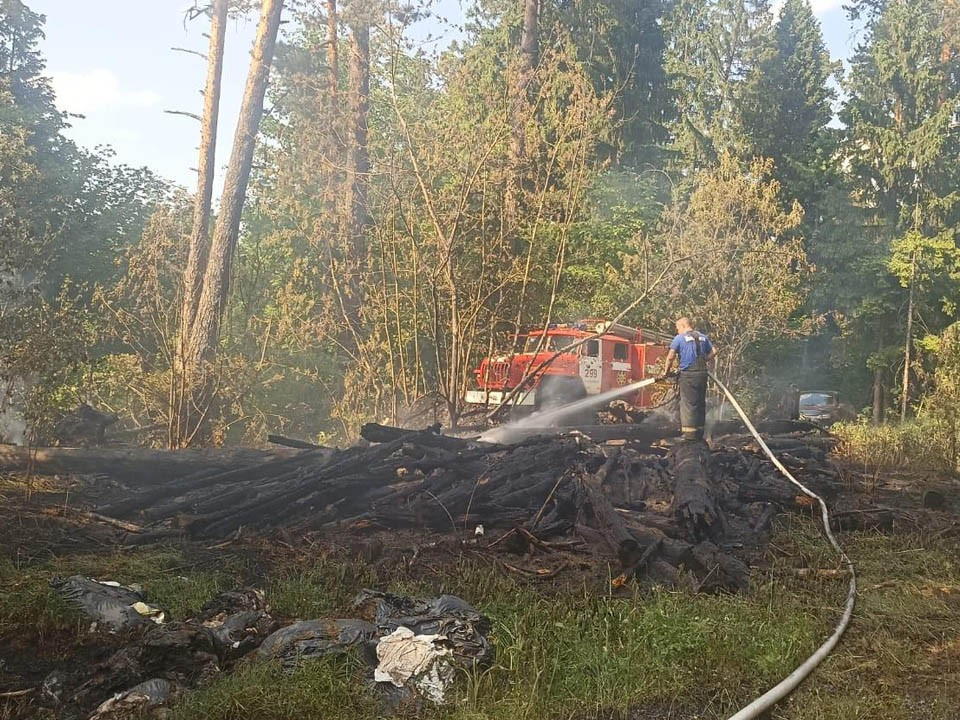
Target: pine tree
{"type": "Point", "coordinates": [622, 44]}
{"type": "Point", "coordinates": [904, 90]}
{"type": "Point", "coordinates": [712, 49]}
{"type": "Point", "coordinates": [788, 107]}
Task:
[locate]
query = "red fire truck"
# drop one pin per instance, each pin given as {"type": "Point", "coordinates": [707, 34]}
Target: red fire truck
{"type": "Point", "coordinates": [564, 371]}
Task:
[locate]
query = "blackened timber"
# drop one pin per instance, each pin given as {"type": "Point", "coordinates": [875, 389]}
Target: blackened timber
{"type": "Point", "coordinates": [134, 465]}
{"type": "Point", "coordinates": [694, 500]}
{"type": "Point", "coordinates": [607, 520]}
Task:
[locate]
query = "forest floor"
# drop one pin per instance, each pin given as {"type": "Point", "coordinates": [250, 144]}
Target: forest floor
{"type": "Point", "coordinates": [566, 647]}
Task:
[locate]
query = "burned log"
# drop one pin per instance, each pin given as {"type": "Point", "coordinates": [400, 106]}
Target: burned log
{"type": "Point", "coordinates": [640, 433]}
{"type": "Point", "coordinates": [694, 500]}
{"type": "Point", "coordinates": [134, 465]}
{"type": "Point", "coordinates": [661, 517]}
{"type": "Point", "coordinates": [292, 442]}
{"type": "Point", "coordinates": [86, 426]}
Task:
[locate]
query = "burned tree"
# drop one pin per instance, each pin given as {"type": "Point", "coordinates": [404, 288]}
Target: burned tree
{"type": "Point", "coordinates": [519, 108]}
{"type": "Point", "coordinates": [200, 234]}
{"type": "Point", "coordinates": [358, 167]}
{"type": "Point", "coordinates": [200, 350]}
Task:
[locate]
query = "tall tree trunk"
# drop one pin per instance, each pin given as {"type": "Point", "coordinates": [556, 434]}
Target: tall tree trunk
{"type": "Point", "coordinates": [205, 335]}
{"type": "Point", "coordinates": [358, 169]}
{"type": "Point", "coordinates": [333, 52]}
{"type": "Point", "coordinates": [878, 394]}
{"type": "Point", "coordinates": [950, 22]}
{"type": "Point", "coordinates": [200, 232]}
{"type": "Point", "coordinates": [905, 394]}
{"type": "Point", "coordinates": [519, 104]}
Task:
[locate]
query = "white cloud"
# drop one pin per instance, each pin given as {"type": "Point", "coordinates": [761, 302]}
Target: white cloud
{"type": "Point", "coordinates": [95, 90]}
{"type": "Point", "coordinates": [822, 7]}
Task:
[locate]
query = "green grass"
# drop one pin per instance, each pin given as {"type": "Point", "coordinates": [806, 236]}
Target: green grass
{"type": "Point", "coordinates": [920, 443]}
{"type": "Point", "coordinates": [30, 608]}
{"type": "Point", "coordinates": [900, 658]}
{"type": "Point", "coordinates": [316, 690]}
{"type": "Point", "coordinates": [579, 655]}
{"type": "Point", "coordinates": [572, 653]}
{"type": "Point", "coordinates": [320, 588]}
{"type": "Point", "coordinates": [558, 658]}
{"type": "Point", "coordinates": [562, 655]}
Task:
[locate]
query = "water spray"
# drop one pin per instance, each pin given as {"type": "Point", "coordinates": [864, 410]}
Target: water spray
{"type": "Point", "coordinates": [546, 418]}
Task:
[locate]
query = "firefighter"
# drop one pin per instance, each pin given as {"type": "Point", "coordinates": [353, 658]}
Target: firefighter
{"type": "Point", "coordinates": [691, 350]}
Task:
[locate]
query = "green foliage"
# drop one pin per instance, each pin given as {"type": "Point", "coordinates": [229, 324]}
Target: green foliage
{"type": "Point", "coordinates": [640, 124]}
{"type": "Point", "coordinates": [713, 48]}
{"type": "Point", "coordinates": [942, 409]}
{"type": "Point", "coordinates": [922, 261]}
{"type": "Point", "coordinates": [898, 162]}
{"type": "Point", "coordinates": [441, 276]}
{"type": "Point", "coordinates": [903, 139]}
{"type": "Point", "coordinates": [66, 214]}
{"type": "Point", "coordinates": [733, 259]}
{"type": "Point", "coordinates": [787, 107]}
{"type": "Point", "coordinates": [622, 45]}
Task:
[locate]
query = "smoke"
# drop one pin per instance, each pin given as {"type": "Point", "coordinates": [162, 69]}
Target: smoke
{"type": "Point", "coordinates": [13, 428]}
{"type": "Point", "coordinates": [13, 425]}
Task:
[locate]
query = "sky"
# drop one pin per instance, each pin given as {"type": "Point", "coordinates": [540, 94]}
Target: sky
{"type": "Point", "coordinates": [111, 62]}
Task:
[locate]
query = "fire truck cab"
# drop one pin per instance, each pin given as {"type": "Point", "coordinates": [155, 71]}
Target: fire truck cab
{"type": "Point", "coordinates": [565, 362]}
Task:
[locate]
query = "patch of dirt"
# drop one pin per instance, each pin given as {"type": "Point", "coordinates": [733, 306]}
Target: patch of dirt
{"type": "Point", "coordinates": [42, 518]}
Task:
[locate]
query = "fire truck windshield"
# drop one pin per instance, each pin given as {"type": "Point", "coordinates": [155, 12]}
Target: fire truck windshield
{"type": "Point", "coordinates": [551, 343]}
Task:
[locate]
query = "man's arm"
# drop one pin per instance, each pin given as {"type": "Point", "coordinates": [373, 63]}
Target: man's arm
{"type": "Point", "coordinates": [712, 352]}
{"type": "Point", "coordinates": [671, 359]}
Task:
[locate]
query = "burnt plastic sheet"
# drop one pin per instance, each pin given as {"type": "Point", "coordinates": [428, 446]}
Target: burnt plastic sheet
{"type": "Point", "coordinates": [465, 629]}
{"type": "Point", "coordinates": [317, 638]}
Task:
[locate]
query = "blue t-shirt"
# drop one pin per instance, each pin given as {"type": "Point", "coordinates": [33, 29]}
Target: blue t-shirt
{"type": "Point", "coordinates": [686, 347]}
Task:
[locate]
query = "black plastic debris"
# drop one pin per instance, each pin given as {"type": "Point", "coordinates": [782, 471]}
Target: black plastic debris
{"type": "Point", "coordinates": [411, 646]}
{"type": "Point", "coordinates": [239, 621]}
{"type": "Point", "coordinates": [317, 638]}
{"type": "Point", "coordinates": [182, 652]}
{"type": "Point", "coordinates": [110, 605]}
{"type": "Point", "coordinates": [137, 702]}
{"type": "Point", "coordinates": [465, 629]}
{"type": "Point", "coordinates": [152, 657]}
{"type": "Point", "coordinates": [233, 601]}
{"type": "Point", "coordinates": [53, 687]}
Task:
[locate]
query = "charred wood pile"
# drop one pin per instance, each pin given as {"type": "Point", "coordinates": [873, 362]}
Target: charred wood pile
{"type": "Point", "coordinates": [681, 513]}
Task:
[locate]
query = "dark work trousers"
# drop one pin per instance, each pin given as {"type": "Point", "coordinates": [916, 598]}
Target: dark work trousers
{"type": "Point", "coordinates": [693, 403]}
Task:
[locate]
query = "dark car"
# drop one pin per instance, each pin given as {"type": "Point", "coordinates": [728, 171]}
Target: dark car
{"type": "Point", "coordinates": [819, 406]}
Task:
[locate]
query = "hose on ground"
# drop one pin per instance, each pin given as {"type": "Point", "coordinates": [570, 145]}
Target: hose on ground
{"type": "Point", "coordinates": [786, 686]}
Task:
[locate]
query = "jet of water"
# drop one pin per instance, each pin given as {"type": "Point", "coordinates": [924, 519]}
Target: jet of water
{"type": "Point", "coordinates": [547, 418]}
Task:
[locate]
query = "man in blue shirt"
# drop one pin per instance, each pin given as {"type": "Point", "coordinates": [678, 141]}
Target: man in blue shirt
{"type": "Point", "coordinates": [693, 349]}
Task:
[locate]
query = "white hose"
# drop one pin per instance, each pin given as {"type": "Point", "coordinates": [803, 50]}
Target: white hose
{"type": "Point", "coordinates": [786, 686]}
